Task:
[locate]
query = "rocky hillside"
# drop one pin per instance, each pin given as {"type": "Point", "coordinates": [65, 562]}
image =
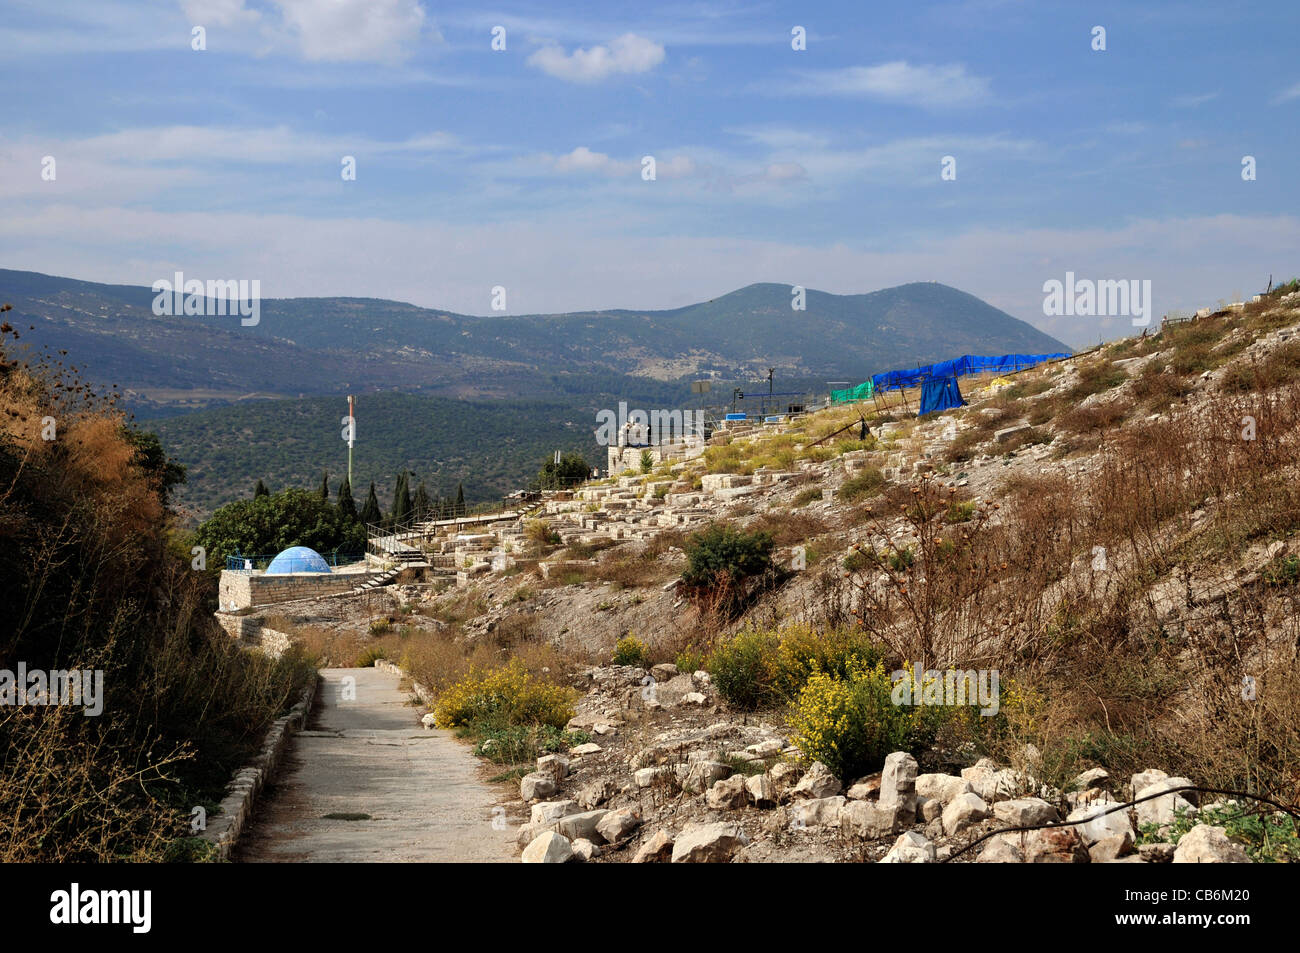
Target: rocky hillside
{"type": "Point", "coordinates": [1111, 536]}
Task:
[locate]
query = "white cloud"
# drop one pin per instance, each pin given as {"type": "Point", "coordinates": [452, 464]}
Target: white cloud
{"type": "Point", "coordinates": [575, 261]}
{"type": "Point", "coordinates": [365, 30]}
{"type": "Point", "coordinates": [1289, 94]}
{"type": "Point", "coordinates": [900, 82]}
{"type": "Point", "coordinates": [628, 54]}
{"type": "Point", "coordinates": [207, 13]}
{"type": "Point", "coordinates": [1192, 100]}
{"type": "Point", "coordinates": [583, 159]}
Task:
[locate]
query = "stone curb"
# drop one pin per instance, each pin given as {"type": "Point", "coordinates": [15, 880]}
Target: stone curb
{"type": "Point", "coordinates": [420, 691]}
{"type": "Point", "coordinates": [223, 829]}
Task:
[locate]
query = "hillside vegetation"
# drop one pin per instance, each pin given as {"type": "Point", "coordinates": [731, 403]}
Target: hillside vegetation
{"type": "Point", "coordinates": [90, 584]}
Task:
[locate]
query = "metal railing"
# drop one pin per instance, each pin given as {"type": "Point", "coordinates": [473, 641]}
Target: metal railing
{"type": "Point", "coordinates": [242, 563]}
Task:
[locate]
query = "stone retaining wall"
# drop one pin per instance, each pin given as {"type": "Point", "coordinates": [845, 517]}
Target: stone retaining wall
{"type": "Point", "coordinates": [224, 828]}
{"type": "Point", "coordinates": [240, 590]}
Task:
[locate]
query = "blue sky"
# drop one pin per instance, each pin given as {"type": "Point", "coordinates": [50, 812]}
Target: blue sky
{"type": "Point", "coordinates": [522, 167]}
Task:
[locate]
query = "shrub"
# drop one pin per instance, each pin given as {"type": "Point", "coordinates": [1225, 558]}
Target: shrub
{"type": "Point", "coordinates": [503, 696]}
{"type": "Point", "coordinates": [804, 497]}
{"type": "Point", "coordinates": [541, 534]}
{"type": "Point", "coordinates": [1097, 377]}
{"type": "Point", "coordinates": [515, 744]}
{"type": "Point", "coordinates": [743, 669]}
{"type": "Point", "coordinates": [726, 557]}
{"type": "Point", "coordinates": [379, 626]}
{"type": "Point", "coordinates": [802, 652]}
{"type": "Point", "coordinates": [850, 724]}
{"type": "Point", "coordinates": [370, 655]}
{"type": "Point", "coordinates": [647, 461]}
{"type": "Point", "coordinates": [690, 659]}
{"type": "Point", "coordinates": [759, 667]}
{"type": "Point", "coordinates": [865, 484]}
{"type": "Point", "coordinates": [631, 651]}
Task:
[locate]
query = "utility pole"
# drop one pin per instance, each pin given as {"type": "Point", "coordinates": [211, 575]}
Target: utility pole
{"type": "Point", "coordinates": [352, 434]}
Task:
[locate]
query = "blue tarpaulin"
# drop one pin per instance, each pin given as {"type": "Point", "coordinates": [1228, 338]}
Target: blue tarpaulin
{"type": "Point", "coordinates": [956, 367]}
{"type": "Point", "coordinates": [940, 393]}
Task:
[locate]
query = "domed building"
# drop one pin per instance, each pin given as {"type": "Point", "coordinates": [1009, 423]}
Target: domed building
{"type": "Point", "coordinates": [297, 559]}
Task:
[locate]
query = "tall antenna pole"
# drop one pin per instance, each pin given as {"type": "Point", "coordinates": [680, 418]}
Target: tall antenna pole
{"type": "Point", "coordinates": [352, 433]}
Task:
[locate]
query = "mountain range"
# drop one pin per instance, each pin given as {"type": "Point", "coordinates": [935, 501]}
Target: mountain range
{"type": "Point", "coordinates": [549, 373]}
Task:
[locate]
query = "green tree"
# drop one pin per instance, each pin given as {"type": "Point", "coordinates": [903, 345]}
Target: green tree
{"type": "Point", "coordinates": [272, 523]}
{"type": "Point", "coordinates": [347, 506]}
{"type": "Point", "coordinates": [571, 470]}
{"type": "Point", "coordinates": [421, 506]}
{"type": "Point", "coordinates": [460, 499]}
{"type": "Point", "coordinates": [325, 485]}
{"type": "Point", "coordinates": [260, 490]}
{"type": "Point", "coordinates": [721, 561]}
{"type": "Point", "coordinates": [401, 499]}
{"type": "Point", "coordinates": [152, 459]}
{"type": "Point", "coordinates": [370, 513]}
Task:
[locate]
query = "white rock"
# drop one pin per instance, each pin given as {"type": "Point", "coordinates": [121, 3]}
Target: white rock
{"type": "Point", "coordinates": [555, 765]}
{"type": "Point", "coordinates": [589, 748]}
{"type": "Point", "coordinates": [898, 785]}
{"type": "Point", "coordinates": [941, 787]}
{"type": "Point", "coordinates": [1025, 812]}
{"type": "Point", "coordinates": [962, 812]}
{"type": "Point", "coordinates": [616, 825]}
{"type": "Point", "coordinates": [816, 812]}
{"type": "Point", "coordinates": [1204, 844]}
{"type": "Point", "coordinates": [574, 826]}
{"type": "Point", "coordinates": [1098, 824]}
{"type": "Point", "coordinates": [708, 843]}
{"type": "Point", "coordinates": [1162, 810]}
{"type": "Point", "coordinates": [1144, 779]}
{"type": "Point", "coordinates": [818, 782]}
{"type": "Point", "coordinates": [700, 775]}
{"type": "Point", "coordinates": [548, 812]}
{"type": "Point", "coordinates": [548, 848]}
{"type": "Point", "coordinates": [728, 794]}
{"type": "Point", "coordinates": [910, 848]}
{"type": "Point", "coordinates": [761, 790]}
{"type": "Point", "coordinates": [535, 786]}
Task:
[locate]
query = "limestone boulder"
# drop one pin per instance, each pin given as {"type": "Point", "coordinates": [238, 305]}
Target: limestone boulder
{"type": "Point", "coordinates": [708, 843]}
{"type": "Point", "coordinates": [548, 848]}
{"type": "Point", "coordinates": [1204, 844]}
{"type": "Point", "coordinates": [962, 812]}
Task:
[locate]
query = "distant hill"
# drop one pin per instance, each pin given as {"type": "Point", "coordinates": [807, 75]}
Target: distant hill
{"type": "Point", "coordinates": [457, 397]}
{"type": "Point", "coordinates": [492, 447]}
{"type": "Point", "coordinates": [313, 346]}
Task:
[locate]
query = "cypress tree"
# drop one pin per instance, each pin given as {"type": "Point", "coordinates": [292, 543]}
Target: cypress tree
{"type": "Point", "coordinates": [260, 490]}
{"type": "Point", "coordinates": [325, 486]}
{"type": "Point", "coordinates": [460, 499]}
{"type": "Point", "coordinates": [401, 498]}
{"type": "Point", "coordinates": [370, 511]}
{"type": "Point", "coordinates": [345, 503]}
{"type": "Point", "coordinates": [421, 506]}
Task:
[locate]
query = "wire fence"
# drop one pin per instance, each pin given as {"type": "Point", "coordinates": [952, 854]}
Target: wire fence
{"type": "Point", "coordinates": [344, 555]}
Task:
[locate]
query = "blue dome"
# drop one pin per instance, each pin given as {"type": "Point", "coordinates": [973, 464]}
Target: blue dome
{"type": "Point", "coordinates": [297, 559]}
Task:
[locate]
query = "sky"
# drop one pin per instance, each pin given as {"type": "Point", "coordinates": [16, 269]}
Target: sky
{"type": "Point", "coordinates": [524, 168]}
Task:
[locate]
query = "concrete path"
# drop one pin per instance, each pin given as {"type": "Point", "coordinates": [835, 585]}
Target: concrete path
{"type": "Point", "coordinates": [421, 788]}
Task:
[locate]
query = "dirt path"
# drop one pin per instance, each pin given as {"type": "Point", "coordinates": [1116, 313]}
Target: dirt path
{"type": "Point", "coordinates": [370, 756]}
